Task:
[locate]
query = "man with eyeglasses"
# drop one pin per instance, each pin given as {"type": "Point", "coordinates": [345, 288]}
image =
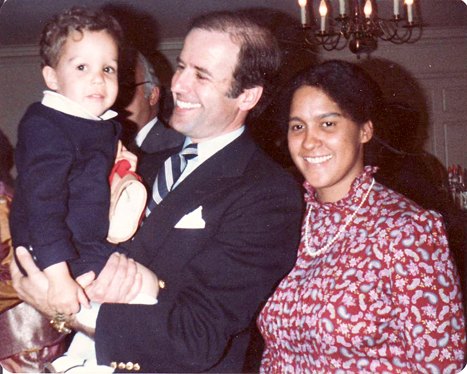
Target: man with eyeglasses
{"type": "Point", "coordinates": [139, 107]}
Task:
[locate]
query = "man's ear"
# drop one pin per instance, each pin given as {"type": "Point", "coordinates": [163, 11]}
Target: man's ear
{"type": "Point", "coordinates": [250, 97]}
{"type": "Point", "coordinates": [366, 132]}
{"type": "Point", "coordinates": [155, 95]}
{"type": "Point", "coordinates": [50, 77]}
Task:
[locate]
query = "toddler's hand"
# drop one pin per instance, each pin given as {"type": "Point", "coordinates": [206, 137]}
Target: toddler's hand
{"type": "Point", "coordinates": [125, 154]}
{"type": "Point", "coordinates": [65, 296]}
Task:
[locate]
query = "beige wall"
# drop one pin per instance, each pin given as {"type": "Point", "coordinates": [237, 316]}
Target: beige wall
{"type": "Point", "coordinates": [431, 73]}
{"type": "Point", "coordinates": [20, 85]}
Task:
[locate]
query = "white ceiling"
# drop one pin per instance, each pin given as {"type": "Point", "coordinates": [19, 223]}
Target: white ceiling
{"type": "Point", "coordinates": [156, 20]}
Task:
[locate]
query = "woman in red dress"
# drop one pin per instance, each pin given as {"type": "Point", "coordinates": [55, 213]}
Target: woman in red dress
{"type": "Point", "coordinates": [374, 288]}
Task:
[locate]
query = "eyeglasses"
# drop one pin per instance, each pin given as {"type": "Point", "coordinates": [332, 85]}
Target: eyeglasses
{"type": "Point", "coordinates": [129, 85]}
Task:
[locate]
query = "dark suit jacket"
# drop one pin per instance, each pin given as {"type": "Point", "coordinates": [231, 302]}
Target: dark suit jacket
{"type": "Point", "coordinates": [217, 278]}
{"type": "Point", "coordinates": [62, 196]}
{"type": "Point", "coordinates": [159, 139]}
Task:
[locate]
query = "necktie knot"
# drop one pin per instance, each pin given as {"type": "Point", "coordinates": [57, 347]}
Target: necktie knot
{"type": "Point", "coordinates": [190, 151]}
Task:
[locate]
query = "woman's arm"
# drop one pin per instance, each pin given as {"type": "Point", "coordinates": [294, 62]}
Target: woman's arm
{"type": "Point", "coordinates": [427, 292]}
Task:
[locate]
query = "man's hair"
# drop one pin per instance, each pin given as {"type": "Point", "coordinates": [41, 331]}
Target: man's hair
{"type": "Point", "coordinates": [76, 19]}
{"type": "Point", "coordinates": [259, 57]}
{"type": "Point", "coordinates": [149, 75]}
{"type": "Point", "coordinates": [348, 85]}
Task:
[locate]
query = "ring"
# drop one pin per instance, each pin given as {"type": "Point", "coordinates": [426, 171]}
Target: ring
{"type": "Point", "coordinates": [58, 322]}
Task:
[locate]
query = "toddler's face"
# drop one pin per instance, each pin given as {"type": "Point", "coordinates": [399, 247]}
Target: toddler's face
{"type": "Point", "coordinates": [87, 71]}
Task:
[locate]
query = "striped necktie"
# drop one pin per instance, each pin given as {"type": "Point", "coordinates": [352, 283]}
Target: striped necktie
{"type": "Point", "coordinates": [169, 173]}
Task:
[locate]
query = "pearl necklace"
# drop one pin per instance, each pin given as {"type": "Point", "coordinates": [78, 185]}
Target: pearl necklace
{"type": "Point", "coordinates": [341, 230]}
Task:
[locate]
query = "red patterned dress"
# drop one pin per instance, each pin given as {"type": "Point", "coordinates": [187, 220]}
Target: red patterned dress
{"type": "Point", "coordinates": [384, 297]}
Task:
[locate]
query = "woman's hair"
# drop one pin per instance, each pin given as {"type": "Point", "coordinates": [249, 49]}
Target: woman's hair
{"type": "Point", "coordinates": [75, 19]}
{"type": "Point", "coordinates": [349, 86]}
{"type": "Point", "coordinates": [259, 57]}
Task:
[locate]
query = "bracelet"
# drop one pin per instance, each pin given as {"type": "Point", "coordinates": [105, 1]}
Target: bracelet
{"type": "Point", "coordinates": [59, 324]}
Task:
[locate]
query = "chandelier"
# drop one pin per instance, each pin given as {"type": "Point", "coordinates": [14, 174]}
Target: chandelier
{"type": "Point", "coordinates": [359, 27]}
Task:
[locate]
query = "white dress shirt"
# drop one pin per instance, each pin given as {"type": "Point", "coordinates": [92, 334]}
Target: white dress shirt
{"type": "Point", "coordinates": [206, 149]}
{"type": "Point", "coordinates": [141, 135]}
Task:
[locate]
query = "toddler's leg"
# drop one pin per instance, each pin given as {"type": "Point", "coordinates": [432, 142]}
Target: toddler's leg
{"type": "Point", "coordinates": [81, 355]}
{"type": "Point", "coordinates": [82, 347]}
{"type": "Point", "coordinates": [80, 352]}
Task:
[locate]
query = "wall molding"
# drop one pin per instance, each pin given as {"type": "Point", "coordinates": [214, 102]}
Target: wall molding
{"type": "Point", "coordinates": [430, 36]}
{"type": "Point", "coordinates": [437, 61]}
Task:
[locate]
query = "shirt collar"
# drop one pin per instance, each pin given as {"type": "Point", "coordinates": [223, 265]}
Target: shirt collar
{"type": "Point", "coordinates": [63, 104]}
{"type": "Point", "coordinates": [207, 148]}
{"type": "Point", "coordinates": [141, 135]}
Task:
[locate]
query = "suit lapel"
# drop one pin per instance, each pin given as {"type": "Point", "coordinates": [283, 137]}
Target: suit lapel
{"type": "Point", "coordinates": [230, 162]}
{"type": "Point", "coordinates": [161, 138]}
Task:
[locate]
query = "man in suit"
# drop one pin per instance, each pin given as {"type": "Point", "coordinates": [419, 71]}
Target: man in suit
{"type": "Point", "coordinates": [221, 240]}
{"type": "Point", "coordinates": [138, 105]}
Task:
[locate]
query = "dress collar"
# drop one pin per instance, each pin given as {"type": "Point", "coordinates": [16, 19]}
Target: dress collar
{"type": "Point", "coordinates": [347, 200]}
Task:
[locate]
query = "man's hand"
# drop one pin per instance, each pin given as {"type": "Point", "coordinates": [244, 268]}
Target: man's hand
{"type": "Point", "coordinates": [118, 282]}
{"type": "Point", "coordinates": [32, 288]}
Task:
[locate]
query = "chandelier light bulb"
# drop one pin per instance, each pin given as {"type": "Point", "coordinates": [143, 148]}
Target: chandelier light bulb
{"type": "Point", "coordinates": [367, 9]}
{"type": "Point", "coordinates": [302, 4]}
{"type": "Point", "coordinates": [409, 4]}
{"type": "Point", "coordinates": [323, 10]}
{"type": "Point", "coordinates": [396, 8]}
{"type": "Point", "coordinates": [341, 7]}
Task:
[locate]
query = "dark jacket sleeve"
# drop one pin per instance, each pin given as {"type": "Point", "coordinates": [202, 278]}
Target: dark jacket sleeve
{"type": "Point", "coordinates": [44, 157]}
